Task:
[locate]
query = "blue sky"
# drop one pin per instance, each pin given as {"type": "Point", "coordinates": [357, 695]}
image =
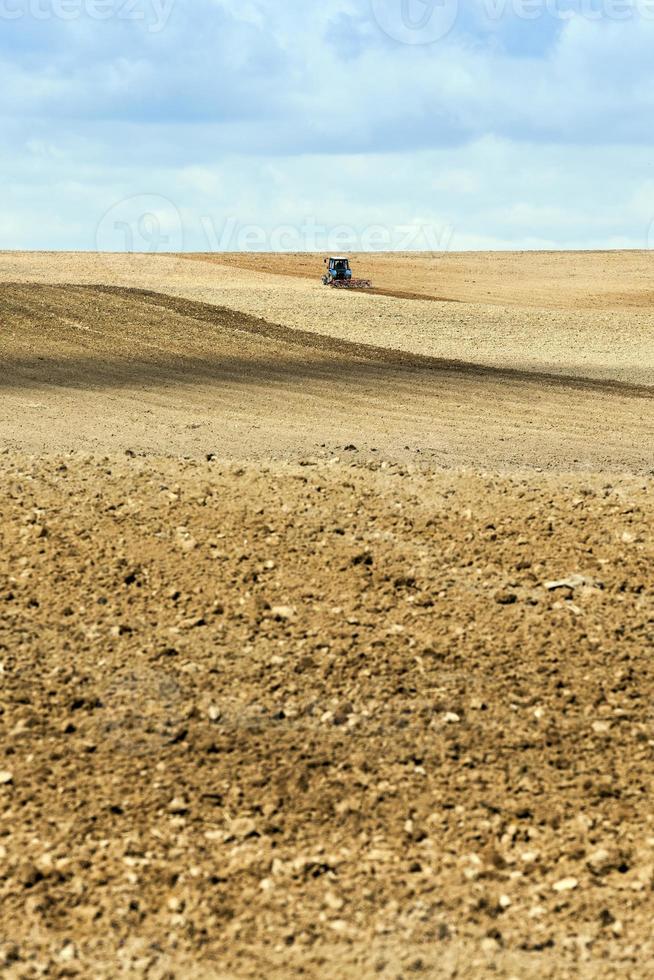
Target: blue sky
{"type": "Point", "coordinates": [205, 124]}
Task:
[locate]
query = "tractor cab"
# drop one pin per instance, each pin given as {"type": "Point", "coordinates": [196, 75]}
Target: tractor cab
{"type": "Point", "coordinates": [339, 267]}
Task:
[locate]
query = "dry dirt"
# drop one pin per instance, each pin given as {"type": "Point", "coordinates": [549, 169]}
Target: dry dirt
{"type": "Point", "coordinates": [109, 368]}
{"type": "Point", "coordinates": [595, 281]}
{"type": "Point", "coordinates": [325, 627]}
{"type": "Point", "coordinates": [555, 337]}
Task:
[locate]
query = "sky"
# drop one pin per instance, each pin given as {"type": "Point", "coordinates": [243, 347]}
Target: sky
{"type": "Point", "coordinates": [202, 125]}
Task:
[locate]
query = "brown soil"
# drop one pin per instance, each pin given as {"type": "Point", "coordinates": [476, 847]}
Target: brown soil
{"type": "Point", "coordinates": [549, 280]}
{"type": "Point", "coordinates": [109, 368]}
{"type": "Point", "coordinates": [319, 658]}
{"type": "Point", "coordinates": [606, 343]}
{"type": "Point", "coordinates": [325, 718]}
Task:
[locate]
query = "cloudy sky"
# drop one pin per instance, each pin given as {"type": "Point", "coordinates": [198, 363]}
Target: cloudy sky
{"type": "Point", "coordinates": [226, 124]}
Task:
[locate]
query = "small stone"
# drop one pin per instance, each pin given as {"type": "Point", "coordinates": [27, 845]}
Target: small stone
{"type": "Point", "coordinates": [282, 612]}
{"type": "Point", "coordinates": [603, 861]}
{"type": "Point", "coordinates": [241, 828]}
{"type": "Point", "coordinates": [185, 540]}
{"type": "Point", "coordinates": [6, 777]}
{"type": "Point", "coordinates": [505, 598]}
{"type": "Point", "coordinates": [214, 713]}
{"type": "Point", "coordinates": [566, 885]}
{"type": "Point", "coordinates": [178, 806]}
{"type": "Point", "coordinates": [333, 902]}
{"type": "Point", "coordinates": [192, 623]}
{"type": "Point", "coordinates": [450, 718]}
{"type": "Point", "coordinates": [122, 630]}
{"type": "Point", "coordinates": [572, 582]}
{"type": "Point", "coordinates": [68, 953]}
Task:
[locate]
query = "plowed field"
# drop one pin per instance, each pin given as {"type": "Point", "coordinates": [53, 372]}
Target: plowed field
{"type": "Point", "coordinates": [326, 621]}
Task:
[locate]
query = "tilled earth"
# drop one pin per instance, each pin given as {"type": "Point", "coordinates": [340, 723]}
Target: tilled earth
{"type": "Point", "coordinates": [582, 314]}
{"type": "Point", "coordinates": [330, 721]}
{"type": "Point", "coordinates": [326, 621]}
{"type": "Point", "coordinates": [589, 280]}
{"type": "Point", "coordinates": [106, 369]}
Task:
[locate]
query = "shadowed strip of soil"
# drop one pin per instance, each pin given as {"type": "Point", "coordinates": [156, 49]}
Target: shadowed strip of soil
{"type": "Point", "coordinates": [224, 317]}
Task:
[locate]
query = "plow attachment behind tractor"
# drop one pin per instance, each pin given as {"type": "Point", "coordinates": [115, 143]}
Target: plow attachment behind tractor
{"type": "Point", "coordinates": [351, 284]}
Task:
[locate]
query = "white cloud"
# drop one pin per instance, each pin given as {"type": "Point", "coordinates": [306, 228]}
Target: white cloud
{"type": "Point", "coordinates": [509, 131]}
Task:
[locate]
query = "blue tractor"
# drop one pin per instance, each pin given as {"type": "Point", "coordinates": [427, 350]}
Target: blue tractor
{"type": "Point", "coordinates": [339, 274]}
